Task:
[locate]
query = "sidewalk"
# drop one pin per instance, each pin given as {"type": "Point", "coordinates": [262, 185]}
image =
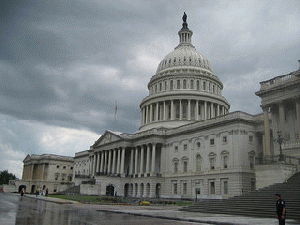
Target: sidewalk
{"type": "Point", "coordinates": [171, 212]}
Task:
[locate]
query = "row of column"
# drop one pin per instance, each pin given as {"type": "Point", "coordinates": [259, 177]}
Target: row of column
{"type": "Point", "coordinates": [142, 190]}
{"type": "Point", "coordinates": [281, 124]}
{"type": "Point", "coordinates": [142, 160]}
{"type": "Point", "coordinates": [181, 109]}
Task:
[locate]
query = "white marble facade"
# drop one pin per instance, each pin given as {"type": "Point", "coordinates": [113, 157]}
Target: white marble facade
{"type": "Point", "coordinates": [188, 144]}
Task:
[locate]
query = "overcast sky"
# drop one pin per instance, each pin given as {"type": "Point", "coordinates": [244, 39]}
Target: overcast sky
{"type": "Point", "coordinates": [65, 64]}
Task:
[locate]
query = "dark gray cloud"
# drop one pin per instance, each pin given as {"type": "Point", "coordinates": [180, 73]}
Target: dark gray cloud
{"type": "Point", "coordinates": [65, 64]}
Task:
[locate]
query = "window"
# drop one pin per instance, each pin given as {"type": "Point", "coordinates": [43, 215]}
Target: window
{"type": "Point", "coordinates": [165, 85]}
{"type": "Point", "coordinates": [176, 148]}
{"type": "Point", "coordinates": [198, 163]}
{"type": "Point", "coordinates": [71, 167]}
{"type": "Point", "coordinates": [175, 167]}
{"type": "Point", "coordinates": [178, 84]}
{"type": "Point", "coordinates": [225, 187]}
{"type": "Point", "coordinates": [175, 188]}
{"type": "Point", "coordinates": [212, 160]}
{"type": "Point", "coordinates": [192, 84]}
{"type": "Point", "coordinates": [56, 176]}
{"type": "Point", "coordinates": [184, 84]}
{"type": "Point", "coordinates": [184, 109]}
{"type": "Point", "coordinates": [160, 86]}
{"type": "Point", "coordinates": [177, 107]}
{"type": "Point", "coordinates": [185, 146]}
{"type": "Point", "coordinates": [155, 88]}
{"type": "Point", "coordinates": [204, 86]}
{"type": "Point", "coordinates": [184, 188]}
{"type": "Point", "coordinates": [251, 156]}
{"type": "Point", "coordinates": [57, 166]}
{"type": "Point", "coordinates": [212, 187]}
{"type": "Point", "coordinates": [171, 85]}
{"type": "Point", "coordinates": [64, 167]}
{"type": "Point", "coordinates": [225, 158]}
{"type": "Point", "coordinates": [212, 141]}
{"type": "Point", "coordinates": [198, 85]}
{"type": "Point", "coordinates": [198, 144]}
{"type": "Point", "coordinates": [250, 138]}
{"type": "Point", "coordinates": [185, 167]}
{"type": "Point", "coordinates": [224, 139]}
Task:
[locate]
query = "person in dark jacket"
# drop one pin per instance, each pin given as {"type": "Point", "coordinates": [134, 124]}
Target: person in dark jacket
{"type": "Point", "coordinates": [280, 209]}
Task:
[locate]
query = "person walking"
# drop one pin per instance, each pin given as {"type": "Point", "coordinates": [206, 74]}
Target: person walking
{"type": "Point", "coordinates": [280, 209]}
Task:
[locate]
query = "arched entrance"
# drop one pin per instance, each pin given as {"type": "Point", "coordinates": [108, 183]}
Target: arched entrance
{"type": "Point", "coordinates": [21, 187]}
{"type": "Point", "coordinates": [157, 190]}
{"type": "Point", "coordinates": [126, 187]}
{"type": "Point", "coordinates": [33, 189]}
{"type": "Point", "coordinates": [110, 190]}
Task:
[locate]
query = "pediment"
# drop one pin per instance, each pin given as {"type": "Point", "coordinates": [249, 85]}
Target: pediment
{"type": "Point", "coordinates": [107, 137]}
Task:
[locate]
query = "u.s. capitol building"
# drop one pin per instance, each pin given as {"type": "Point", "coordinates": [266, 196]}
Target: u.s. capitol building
{"type": "Point", "coordinates": [189, 144]}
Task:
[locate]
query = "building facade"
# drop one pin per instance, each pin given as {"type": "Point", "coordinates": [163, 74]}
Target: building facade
{"type": "Point", "coordinates": [189, 145]}
{"type": "Point", "coordinates": [54, 172]}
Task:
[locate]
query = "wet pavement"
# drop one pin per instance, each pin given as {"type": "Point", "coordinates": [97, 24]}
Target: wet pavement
{"type": "Point", "coordinates": [45, 210]}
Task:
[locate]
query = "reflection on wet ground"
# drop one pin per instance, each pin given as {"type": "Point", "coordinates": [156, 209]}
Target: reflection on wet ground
{"type": "Point", "coordinates": [14, 210]}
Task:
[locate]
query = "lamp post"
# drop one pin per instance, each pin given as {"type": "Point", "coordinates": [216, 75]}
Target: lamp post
{"type": "Point", "coordinates": [280, 140]}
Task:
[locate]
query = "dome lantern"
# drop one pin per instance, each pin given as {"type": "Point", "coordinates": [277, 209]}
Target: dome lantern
{"type": "Point", "coordinates": [185, 34]}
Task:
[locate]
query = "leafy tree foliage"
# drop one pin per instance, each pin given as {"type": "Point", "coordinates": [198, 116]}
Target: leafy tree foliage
{"type": "Point", "coordinates": [5, 176]}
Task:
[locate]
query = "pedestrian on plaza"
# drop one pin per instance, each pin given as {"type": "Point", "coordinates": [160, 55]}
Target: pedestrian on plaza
{"type": "Point", "coordinates": [37, 192]}
{"type": "Point", "coordinates": [280, 209]}
{"type": "Point", "coordinates": [22, 192]}
{"type": "Point", "coordinates": [47, 192]}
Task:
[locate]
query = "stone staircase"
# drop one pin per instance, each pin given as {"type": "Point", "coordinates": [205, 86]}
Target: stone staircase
{"type": "Point", "coordinates": [260, 203]}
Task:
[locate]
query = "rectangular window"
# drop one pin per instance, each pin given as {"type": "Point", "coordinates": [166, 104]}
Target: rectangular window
{"type": "Point", "coordinates": [250, 138]}
{"type": "Point", "coordinates": [212, 141]}
{"type": "Point", "coordinates": [184, 188]}
{"type": "Point", "coordinates": [212, 187]}
{"type": "Point", "coordinates": [212, 163]}
{"type": "Point", "coordinates": [175, 188]}
{"type": "Point", "coordinates": [176, 148]}
{"type": "Point", "coordinates": [225, 187]}
{"type": "Point", "coordinates": [224, 139]}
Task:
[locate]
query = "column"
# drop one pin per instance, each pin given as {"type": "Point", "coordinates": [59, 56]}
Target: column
{"type": "Point", "coordinates": [189, 110]}
{"type": "Point", "coordinates": [156, 111]}
{"type": "Point", "coordinates": [147, 114]}
{"type": "Point", "coordinates": [205, 110]}
{"type": "Point", "coordinates": [197, 110]}
{"type": "Point", "coordinates": [136, 161]}
{"type": "Point", "coordinates": [142, 160]}
{"type": "Point", "coordinates": [151, 113]}
{"type": "Point", "coordinates": [172, 110]}
{"type": "Point", "coordinates": [102, 162]}
{"type": "Point", "coordinates": [267, 150]}
{"type": "Point", "coordinates": [218, 110]}
{"type": "Point", "coordinates": [119, 161]}
{"type": "Point", "coordinates": [98, 162]}
{"type": "Point", "coordinates": [109, 162]}
{"type": "Point", "coordinates": [298, 117]}
{"type": "Point", "coordinates": [105, 162]}
{"type": "Point", "coordinates": [94, 165]}
{"type": "Point", "coordinates": [281, 118]}
{"type": "Point", "coordinates": [122, 161]}
{"type": "Point", "coordinates": [165, 111]}
{"type": "Point", "coordinates": [153, 158]}
{"type": "Point", "coordinates": [148, 159]}
{"type": "Point", "coordinates": [131, 161]}
{"type": "Point", "coordinates": [180, 110]}
{"type": "Point", "coordinates": [212, 110]}
{"type": "Point", "coordinates": [114, 162]}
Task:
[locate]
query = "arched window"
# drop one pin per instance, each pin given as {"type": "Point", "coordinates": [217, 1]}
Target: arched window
{"type": "Point", "coordinates": [192, 84]}
{"type": "Point", "coordinates": [171, 85]}
{"type": "Point", "coordinates": [178, 84]}
{"type": "Point", "coordinates": [212, 160]}
{"type": "Point", "coordinates": [198, 85]}
{"type": "Point", "coordinates": [198, 163]}
{"type": "Point", "coordinates": [184, 84]}
{"type": "Point", "coordinates": [204, 85]}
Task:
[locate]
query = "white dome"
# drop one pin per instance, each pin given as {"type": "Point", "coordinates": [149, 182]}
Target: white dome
{"type": "Point", "coordinates": [184, 55]}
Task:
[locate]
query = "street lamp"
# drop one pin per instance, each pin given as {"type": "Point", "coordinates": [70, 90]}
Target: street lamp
{"type": "Point", "coordinates": [280, 140]}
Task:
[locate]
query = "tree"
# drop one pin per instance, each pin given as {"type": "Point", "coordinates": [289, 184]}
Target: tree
{"type": "Point", "coordinates": [5, 176]}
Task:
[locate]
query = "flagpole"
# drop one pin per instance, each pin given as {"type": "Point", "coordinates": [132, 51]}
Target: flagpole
{"type": "Point", "coordinates": [115, 116]}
